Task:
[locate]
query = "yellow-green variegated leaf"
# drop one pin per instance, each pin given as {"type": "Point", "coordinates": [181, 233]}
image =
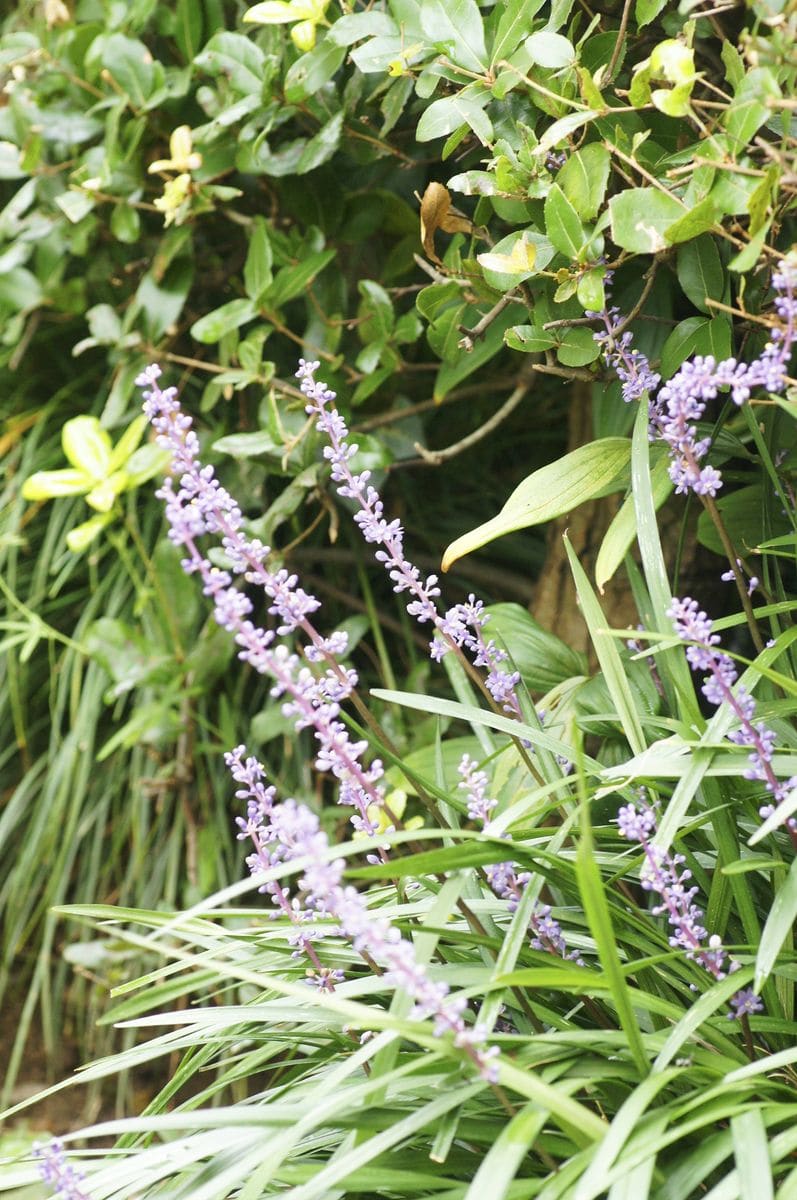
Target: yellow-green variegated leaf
{"type": "Point", "coordinates": [48, 485]}
{"type": "Point", "coordinates": [87, 446]}
{"type": "Point", "coordinates": [79, 538]}
{"type": "Point", "coordinates": [277, 12]}
{"type": "Point", "coordinates": [584, 474]}
{"type": "Point", "coordinates": [103, 496]}
{"type": "Point", "coordinates": [128, 442]}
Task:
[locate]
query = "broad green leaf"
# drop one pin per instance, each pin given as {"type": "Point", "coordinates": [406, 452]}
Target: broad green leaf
{"type": "Point", "coordinates": [354, 26]}
{"type": "Point", "coordinates": [530, 339]}
{"type": "Point", "coordinates": [310, 72]}
{"type": "Point", "coordinates": [700, 271]}
{"type": "Point", "coordinates": [132, 68]}
{"type": "Point", "coordinates": [248, 445]}
{"type": "Point", "coordinates": [550, 50]}
{"type": "Point", "coordinates": [125, 223]}
{"type": "Point", "coordinates": [146, 462]}
{"type": "Point", "coordinates": [562, 129]}
{"type": "Point", "coordinates": [692, 224]}
{"type": "Point", "coordinates": [695, 335]}
{"type": "Point", "coordinates": [321, 147]}
{"type": "Point", "coordinates": [517, 261]}
{"type": "Point", "coordinates": [259, 257]}
{"type": "Point", "coordinates": [189, 27]}
{"type": "Point", "coordinates": [450, 112]}
{"type": "Point", "coordinates": [463, 365]}
{"type": "Point", "coordinates": [444, 334]}
{"type": "Point", "coordinates": [10, 161]}
{"type": "Point", "coordinates": [214, 325]}
{"type": "Point", "coordinates": [640, 218]}
{"type": "Point", "coordinates": [20, 290]}
{"type": "Point", "coordinates": [291, 282]}
{"type": "Point", "coordinates": [75, 205]}
{"type": "Point", "coordinates": [731, 192]}
{"type": "Point", "coordinates": [763, 199]}
{"type": "Point", "coordinates": [515, 258]}
{"type": "Point", "coordinates": [744, 513]}
{"type": "Point", "coordinates": [160, 295]}
{"type": "Point", "coordinates": [577, 348]}
{"type": "Point", "coordinates": [590, 290]}
{"type": "Point", "coordinates": [749, 110]}
{"type": "Point", "coordinates": [584, 474]}
{"type": "Point", "coordinates": [562, 224]}
{"type": "Point", "coordinates": [646, 11]}
{"type": "Point", "coordinates": [543, 659]}
{"type": "Point", "coordinates": [238, 59]}
{"type": "Point", "coordinates": [584, 178]}
{"type": "Point", "coordinates": [513, 25]}
{"type": "Point", "coordinates": [456, 24]}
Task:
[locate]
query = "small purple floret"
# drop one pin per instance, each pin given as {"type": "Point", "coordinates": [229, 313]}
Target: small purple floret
{"type": "Point", "coordinates": [65, 1180]}
{"type": "Point", "coordinates": [681, 402]}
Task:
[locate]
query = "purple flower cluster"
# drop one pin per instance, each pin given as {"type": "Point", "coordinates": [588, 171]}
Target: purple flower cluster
{"type": "Point", "coordinates": [65, 1180]}
{"type": "Point", "coordinates": [682, 400]}
{"type": "Point", "coordinates": [693, 626]}
{"type": "Point", "coordinates": [200, 505]}
{"type": "Point", "coordinates": [290, 832]}
{"type": "Point", "coordinates": [630, 365]}
{"type": "Point", "coordinates": [665, 874]}
{"type": "Point", "coordinates": [461, 627]}
{"type": "Point", "coordinates": [506, 881]}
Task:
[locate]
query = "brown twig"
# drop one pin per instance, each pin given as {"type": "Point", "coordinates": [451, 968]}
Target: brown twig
{"type": "Point", "coordinates": [436, 457]}
{"type": "Point", "coordinates": [618, 45]}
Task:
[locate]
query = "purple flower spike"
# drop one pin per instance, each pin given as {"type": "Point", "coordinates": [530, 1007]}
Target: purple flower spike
{"type": "Point", "coordinates": [65, 1180]}
{"type": "Point", "coordinates": [682, 400]}
{"type": "Point", "coordinates": [506, 881]}
{"type": "Point", "coordinates": [461, 627]}
{"type": "Point", "coordinates": [289, 832]}
{"type": "Point", "coordinates": [199, 506]}
{"type": "Point", "coordinates": [692, 625]}
{"type": "Point", "coordinates": [664, 873]}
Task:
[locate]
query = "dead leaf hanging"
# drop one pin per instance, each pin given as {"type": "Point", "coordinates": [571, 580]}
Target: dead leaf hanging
{"type": "Point", "coordinates": [437, 213]}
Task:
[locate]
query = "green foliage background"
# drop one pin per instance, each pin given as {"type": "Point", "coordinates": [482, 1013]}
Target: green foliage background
{"type": "Point", "coordinates": [649, 139]}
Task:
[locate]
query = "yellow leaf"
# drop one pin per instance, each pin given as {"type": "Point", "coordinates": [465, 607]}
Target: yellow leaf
{"type": "Point", "coordinates": [128, 442]}
{"type": "Point", "coordinates": [83, 535]}
{"type": "Point", "coordinates": [519, 262]}
{"type": "Point", "coordinates": [48, 485]}
{"type": "Point", "coordinates": [303, 35]}
{"type": "Point", "coordinates": [183, 156]}
{"type": "Point", "coordinates": [272, 12]}
{"type": "Point", "coordinates": [103, 496]}
{"type": "Point", "coordinates": [87, 446]}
